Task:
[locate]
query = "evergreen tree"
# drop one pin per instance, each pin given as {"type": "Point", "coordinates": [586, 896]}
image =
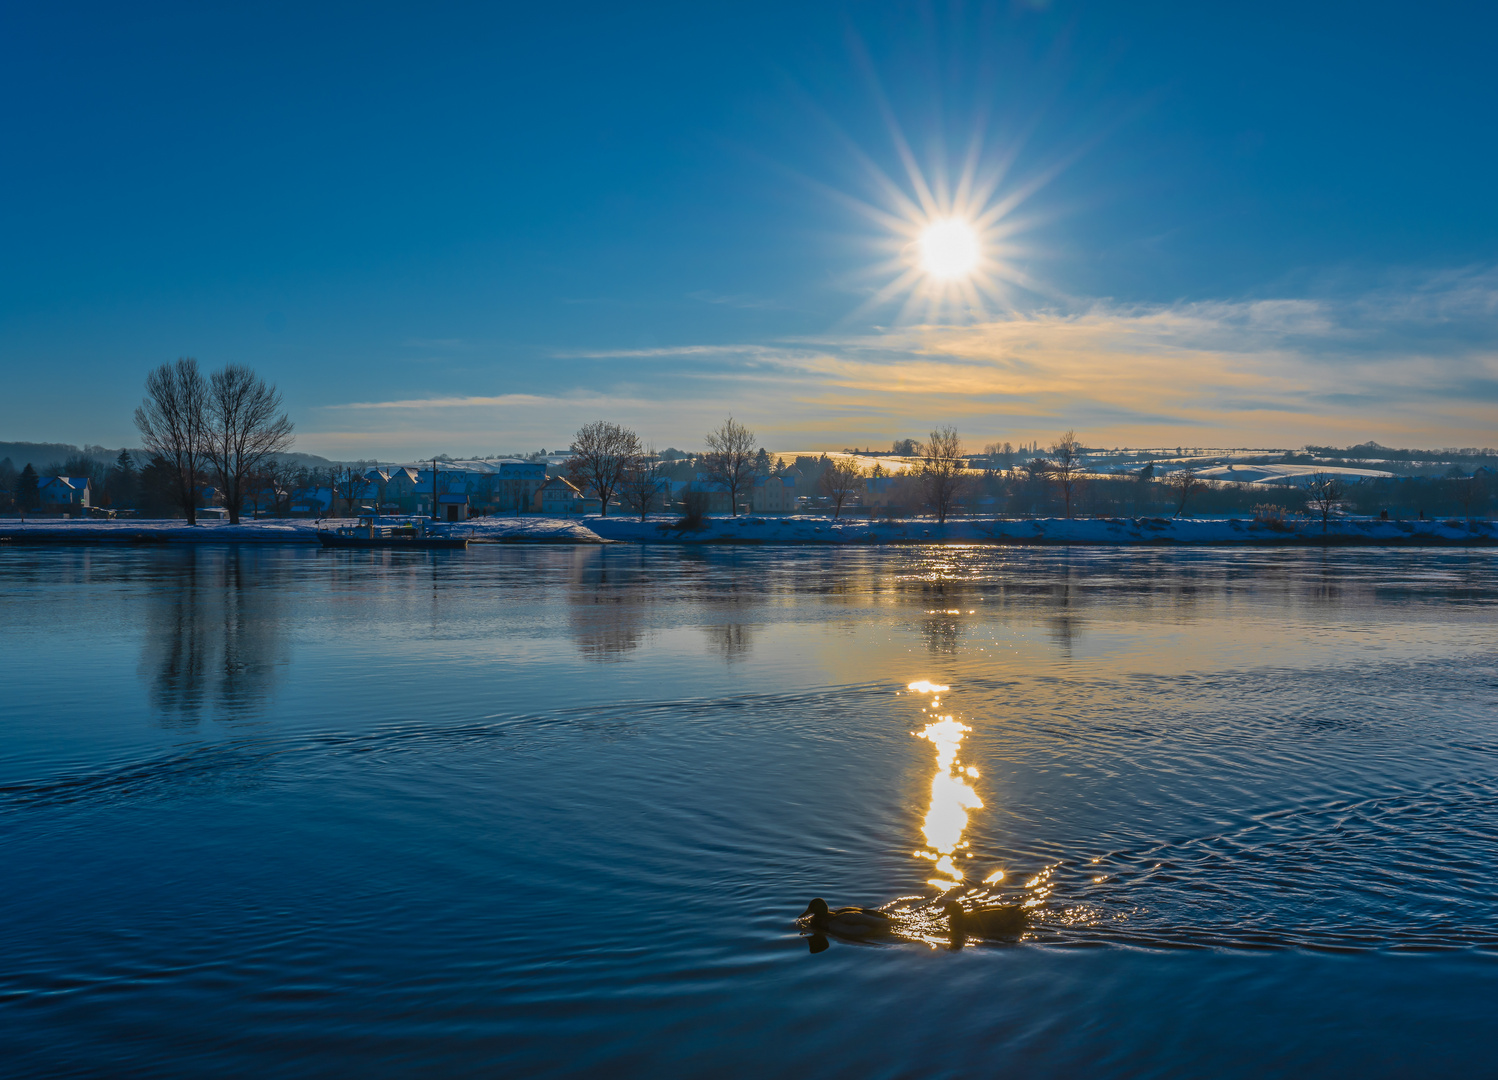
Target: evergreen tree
{"type": "Point", "coordinates": [7, 484]}
{"type": "Point", "coordinates": [155, 490]}
{"type": "Point", "coordinates": [27, 483]}
{"type": "Point", "coordinates": [122, 480]}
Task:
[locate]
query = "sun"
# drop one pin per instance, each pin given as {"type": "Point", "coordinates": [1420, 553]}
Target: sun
{"type": "Point", "coordinates": [948, 236]}
{"type": "Point", "coordinates": [950, 249]}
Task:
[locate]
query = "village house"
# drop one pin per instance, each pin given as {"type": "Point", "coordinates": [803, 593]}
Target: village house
{"type": "Point", "coordinates": [450, 481]}
{"type": "Point", "coordinates": [558, 496]}
{"type": "Point", "coordinates": [519, 482]}
{"type": "Point", "coordinates": [773, 495]}
{"type": "Point", "coordinates": [65, 494]}
{"type": "Point", "coordinates": [454, 506]}
{"type": "Point", "coordinates": [400, 490]}
{"type": "Point", "coordinates": [718, 501]}
{"type": "Point", "coordinates": [882, 492]}
{"type": "Point", "coordinates": [311, 502]}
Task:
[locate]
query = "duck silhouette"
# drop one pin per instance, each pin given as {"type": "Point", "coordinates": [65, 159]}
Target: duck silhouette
{"type": "Point", "coordinates": [1001, 920]}
{"type": "Point", "coordinates": [850, 922]}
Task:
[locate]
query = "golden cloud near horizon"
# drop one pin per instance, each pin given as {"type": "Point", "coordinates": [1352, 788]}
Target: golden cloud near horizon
{"type": "Point", "coordinates": [1266, 373]}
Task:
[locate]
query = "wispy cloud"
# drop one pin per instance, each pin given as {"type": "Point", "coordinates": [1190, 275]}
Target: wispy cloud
{"type": "Point", "coordinates": [664, 352]}
{"type": "Point", "coordinates": [1414, 362]}
{"type": "Point", "coordinates": [459, 402]}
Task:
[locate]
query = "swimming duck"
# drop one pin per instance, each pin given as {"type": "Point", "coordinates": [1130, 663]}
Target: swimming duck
{"type": "Point", "coordinates": [1003, 920]}
{"type": "Point", "coordinates": [846, 921]}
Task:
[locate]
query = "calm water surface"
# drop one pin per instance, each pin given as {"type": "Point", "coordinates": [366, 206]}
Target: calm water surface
{"type": "Point", "coordinates": [553, 811]}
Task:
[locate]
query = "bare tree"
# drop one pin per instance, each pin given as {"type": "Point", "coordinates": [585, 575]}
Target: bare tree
{"type": "Point", "coordinates": [172, 421]}
{"type": "Point", "coordinates": [244, 426]}
{"type": "Point", "coordinates": [1323, 492]}
{"type": "Point", "coordinates": [730, 459]}
{"type": "Point", "coordinates": [348, 484]}
{"type": "Point", "coordinates": [1183, 483]}
{"type": "Point", "coordinates": [641, 484]}
{"type": "Point", "coordinates": [259, 490]}
{"type": "Point", "coordinates": [601, 454]}
{"type": "Point", "coordinates": [1469, 489]}
{"type": "Point", "coordinates": [941, 470]}
{"type": "Point", "coordinates": [281, 479]}
{"type": "Point", "coordinates": [1065, 468]}
{"type": "Point", "coordinates": [840, 481]}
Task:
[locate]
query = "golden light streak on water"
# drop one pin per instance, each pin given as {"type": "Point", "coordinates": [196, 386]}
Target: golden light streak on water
{"type": "Point", "coordinates": [951, 799]}
{"type": "Point", "coordinates": [923, 686]}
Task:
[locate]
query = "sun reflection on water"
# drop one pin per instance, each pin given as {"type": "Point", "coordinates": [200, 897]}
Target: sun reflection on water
{"type": "Point", "coordinates": [923, 686]}
{"type": "Point", "coordinates": [951, 794]}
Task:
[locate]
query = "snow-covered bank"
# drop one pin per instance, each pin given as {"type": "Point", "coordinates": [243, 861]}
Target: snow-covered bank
{"type": "Point", "coordinates": [167, 531]}
{"type": "Point", "coordinates": [752, 529]}
{"type": "Point", "coordinates": [526, 530]}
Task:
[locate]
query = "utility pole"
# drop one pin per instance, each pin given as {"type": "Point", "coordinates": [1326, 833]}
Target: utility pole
{"type": "Point", "coordinates": [434, 490]}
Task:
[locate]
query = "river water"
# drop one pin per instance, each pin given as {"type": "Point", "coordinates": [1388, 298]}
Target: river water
{"type": "Point", "coordinates": [554, 811]}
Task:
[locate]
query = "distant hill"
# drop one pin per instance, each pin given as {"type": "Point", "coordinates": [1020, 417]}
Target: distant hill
{"type": "Point", "coordinates": [41, 455]}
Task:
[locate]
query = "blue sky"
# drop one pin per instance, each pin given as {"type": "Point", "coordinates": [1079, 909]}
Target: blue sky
{"type": "Point", "coordinates": [474, 228]}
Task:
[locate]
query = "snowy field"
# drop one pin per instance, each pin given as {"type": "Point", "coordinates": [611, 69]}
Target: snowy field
{"type": "Point", "coordinates": [1282, 475]}
{"type": "Point", "coordinates": [754, 529]}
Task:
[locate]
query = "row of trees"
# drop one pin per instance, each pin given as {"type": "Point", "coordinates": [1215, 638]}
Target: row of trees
{"type": "Point", "coordinates": [226, 427]}
{"type": "Point", "coordinates": [611, 460]}
{"type": "Point", "coordinates": [120, 484]}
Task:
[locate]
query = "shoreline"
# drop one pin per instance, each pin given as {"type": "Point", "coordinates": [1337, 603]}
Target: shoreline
{"type": "Point", "coordinates": [757, 530]}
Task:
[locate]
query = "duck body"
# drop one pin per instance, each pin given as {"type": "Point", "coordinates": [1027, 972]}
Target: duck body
{"type": "Point", "coordinates": [854, 922]}
{"type": "Point", "coordinates": [1003, 920]}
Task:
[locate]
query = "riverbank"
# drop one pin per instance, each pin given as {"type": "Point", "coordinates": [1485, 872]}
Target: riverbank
{"type": "Point", "coordinates": [751, 529]}
{"type": "Point", "coordinates": [755, 529]}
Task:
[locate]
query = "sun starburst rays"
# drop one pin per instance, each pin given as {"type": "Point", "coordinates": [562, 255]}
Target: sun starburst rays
{"type": "Point", "coordinates": [949, 244]}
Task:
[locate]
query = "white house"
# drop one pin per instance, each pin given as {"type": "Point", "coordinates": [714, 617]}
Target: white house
{"type": "Point", "coordinates": [773, 495]}
{"type": "Point", "coordinates": [558, 496]}
{"type": "Point", "coordinates": [66, 492]}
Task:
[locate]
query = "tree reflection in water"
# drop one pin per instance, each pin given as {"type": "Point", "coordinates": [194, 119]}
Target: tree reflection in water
{"type": "Point", "coordinates": [732, 641]}
{"type": "Point", "coordinates": [607, 601]}
{"type": "Point", "coordinates": [216, 637]}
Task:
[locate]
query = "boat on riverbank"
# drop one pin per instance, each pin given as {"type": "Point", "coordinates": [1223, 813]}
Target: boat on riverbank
{"type": "Point", "coordinates": [368, 533]}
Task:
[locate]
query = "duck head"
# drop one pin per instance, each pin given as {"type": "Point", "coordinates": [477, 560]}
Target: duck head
{"type": "Point", "coordinates": [814, 909]}
{"type": "Point", "coordinates": [953, 911]}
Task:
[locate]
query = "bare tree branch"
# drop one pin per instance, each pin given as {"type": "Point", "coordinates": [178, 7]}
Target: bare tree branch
{"type": "Point", "coordinates": [349, 482]}
{"type": "Point", "coordinates": [942, 470]}
{"type": "Point", "coordinates": [730, 459]}
{"type": "Point", "coordinates": [1184, 483]}
{"type": "Point", "coordinates": [172, 421]}
{"type": "Point", "coordinates": [601, 455]}
{"type": "Point", "coordinates": [1065, 467]}
{"type": "Point", "coordinates": [1323, 493]}
{"type": "Point", "coordinates": [840, 481]}
{"type": "Point", "coordinates": [641, 485]}
{"type": "Point", "coordinates": [244, 427]}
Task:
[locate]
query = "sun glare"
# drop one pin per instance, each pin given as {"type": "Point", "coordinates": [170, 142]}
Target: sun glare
{"type": "Point", "coordinates": [950, 249]}
{"type": "Point", "coordinates": [948, 232]}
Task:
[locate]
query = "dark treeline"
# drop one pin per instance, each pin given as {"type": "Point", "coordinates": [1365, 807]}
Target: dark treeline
{"type": "Point", "coordinates": [1022, 493]}
{"type": "Point", "coordinates": [1064, 479]}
